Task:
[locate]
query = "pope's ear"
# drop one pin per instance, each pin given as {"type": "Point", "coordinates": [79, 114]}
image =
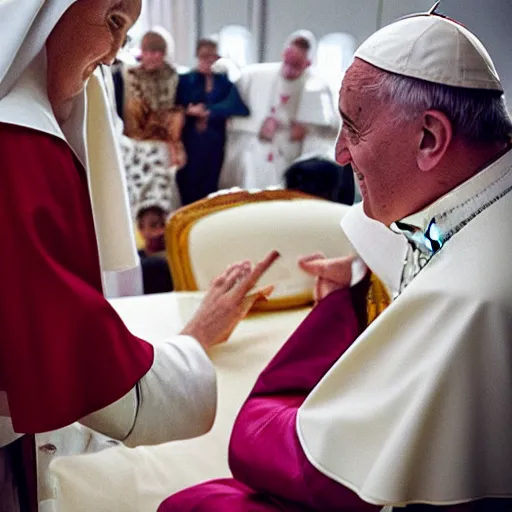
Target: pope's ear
{"type": "Point", "coordinates": [436, 136]}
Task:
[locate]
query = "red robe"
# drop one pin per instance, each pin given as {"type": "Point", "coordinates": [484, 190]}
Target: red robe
{"type": "Point", "coordinates": [270, 468]}
{"type": "Point", "coordinates": [64, 351]}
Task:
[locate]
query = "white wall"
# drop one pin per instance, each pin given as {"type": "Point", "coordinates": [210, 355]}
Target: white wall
{"type": "Point", "coordinates": [491, 21]}
{"type": "Point", "coordinates": [394, 9]}
{"type": "Point", "coordinates": [218, 13]}
{"type": "Point", "coordinates": [358, 18]}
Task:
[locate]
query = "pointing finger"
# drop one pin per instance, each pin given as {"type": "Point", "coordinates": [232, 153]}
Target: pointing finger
{"type": "Point", "coordinates": [260, 268]}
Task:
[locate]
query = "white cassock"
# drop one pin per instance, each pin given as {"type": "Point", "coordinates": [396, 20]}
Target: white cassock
{"type": "Point", "coordinates": [252, 163]}
{"type": "Point", "coordinates": [418, 410]}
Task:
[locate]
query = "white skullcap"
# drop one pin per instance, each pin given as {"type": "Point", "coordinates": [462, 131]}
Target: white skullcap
{"type": "Point", "coordinates": [308, 36]}
{"type": "Point", "coordinates": [432, 48]}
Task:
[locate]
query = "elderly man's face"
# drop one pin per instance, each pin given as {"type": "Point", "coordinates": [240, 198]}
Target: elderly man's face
{"type": "Point", "coordinates": [295, 62]}
{"type": "Point", "coordinates": [90, 33]}
{"type": "Point", "coordinates": [380, 149]}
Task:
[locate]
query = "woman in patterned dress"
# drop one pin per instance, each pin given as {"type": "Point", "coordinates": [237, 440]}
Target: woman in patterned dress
{"type": "Point", "coordinates": [152, 148]}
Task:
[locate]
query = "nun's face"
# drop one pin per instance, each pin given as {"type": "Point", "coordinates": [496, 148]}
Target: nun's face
{"type": "Point", "coordinates": [90, 33]}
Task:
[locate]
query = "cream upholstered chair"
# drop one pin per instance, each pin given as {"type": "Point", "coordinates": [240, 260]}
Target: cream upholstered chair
{"type": "Point", "coordinates": [205, 237]}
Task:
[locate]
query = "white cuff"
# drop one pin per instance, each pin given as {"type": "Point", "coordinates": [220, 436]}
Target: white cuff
{"type": "Point", "coordinates": [177, 397]}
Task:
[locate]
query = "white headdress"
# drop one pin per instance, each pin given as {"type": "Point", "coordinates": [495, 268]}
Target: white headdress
{"type": "Point", "coordinates": [310, 38]}
{"type": "Point", "coordinates": [24, 30]}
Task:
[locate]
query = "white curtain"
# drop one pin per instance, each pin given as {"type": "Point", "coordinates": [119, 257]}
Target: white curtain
{"type": "Point", "coordinates": [178, 17]}
{"type": "Point", "coordinates": [237, 43]}
{"type": "Point", "coordinates": [334, 55]}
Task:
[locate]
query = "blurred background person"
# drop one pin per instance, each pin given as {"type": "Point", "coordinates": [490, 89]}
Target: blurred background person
{"type": "Point", "coordinates": [155, 269]}
{"type": "Point", "coordinates": [208, 99]}
{"type": "Point", "coordinates": [153, 125]}
{"type": "Point", "coordinates": [292, 113]}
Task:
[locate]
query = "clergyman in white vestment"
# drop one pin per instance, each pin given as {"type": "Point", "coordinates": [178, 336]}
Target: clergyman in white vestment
{"type": "Point", "coordinates": [292, 113]}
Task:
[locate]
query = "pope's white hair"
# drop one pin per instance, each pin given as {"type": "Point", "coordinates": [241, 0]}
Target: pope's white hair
{"type": "Point", "coordinates": [479, 116]}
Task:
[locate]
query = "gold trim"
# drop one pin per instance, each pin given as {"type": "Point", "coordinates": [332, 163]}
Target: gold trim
{"type": "Point", "coordinates": [290, 302]}
{"type": "Point", "coordinates": [139, 240]}
{"type": "Point", "coordinates": [377, 299]}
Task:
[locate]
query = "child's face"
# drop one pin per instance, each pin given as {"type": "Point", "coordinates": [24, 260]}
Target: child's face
{"type": "Point", "coordinates": [151, 226]}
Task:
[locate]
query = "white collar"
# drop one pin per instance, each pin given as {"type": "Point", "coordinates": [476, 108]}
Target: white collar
{"type": "Point", "coordinates": [381, 250]}
{"type": "Point", "coordinates": [430, 229]}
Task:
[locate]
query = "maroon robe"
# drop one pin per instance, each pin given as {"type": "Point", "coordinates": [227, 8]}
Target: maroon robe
{"type": "Point", "coordinates": [64, 351]}
{"type": "Point", "coordinates": [266, 458]}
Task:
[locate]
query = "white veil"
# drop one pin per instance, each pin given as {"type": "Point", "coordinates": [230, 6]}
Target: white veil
{"type": "Point", "coordinates": [24, 30]}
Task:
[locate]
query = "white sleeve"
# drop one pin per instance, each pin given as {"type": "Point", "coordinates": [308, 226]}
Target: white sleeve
{"type": "Point", "coordinates": [176, 399]}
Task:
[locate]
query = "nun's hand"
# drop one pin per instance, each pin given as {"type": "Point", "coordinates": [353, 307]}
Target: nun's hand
{"type": "Point", "coordinates": [228, 301]}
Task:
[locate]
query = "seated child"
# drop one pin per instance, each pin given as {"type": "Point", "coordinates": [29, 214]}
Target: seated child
{"type": "Point", "coordinates": [155, 270]}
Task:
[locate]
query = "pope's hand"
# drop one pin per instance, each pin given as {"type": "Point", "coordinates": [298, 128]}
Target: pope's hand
{"type": "Point", "coordinates": [228, 301]}
{"type": "Point", "coordinates": [331, 273]}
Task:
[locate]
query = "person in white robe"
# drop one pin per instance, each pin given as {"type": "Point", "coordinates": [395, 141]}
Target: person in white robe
{"type": "Point", "coordinates": [292, 113]}
{"type": "Point", "coordinates": [176, 398]}
{"type": "Point", "coordinates": [418, 410]}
